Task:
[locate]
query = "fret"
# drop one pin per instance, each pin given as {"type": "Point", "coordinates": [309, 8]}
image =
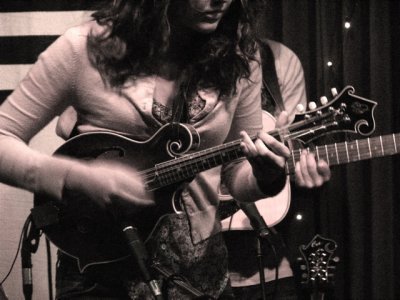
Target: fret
{"type": "Point", "coordinates": [291, 164]}
{"type": "Point", "coordinates": [293, 159]}
{"type": "Point", "coordinates": [332, 152]}
{"type": "Point", "coordinates": [300, 151]}
{"type": "Point", "coordinates": [327, 155]}
{"type": "Point", "coordinates": [220, 157]}
{"type": "Point", "coordinates": [206, 160]}
{"type": "Point", "coordinates": [214, 162]}
{"type": "Point", "coordinates": [321, 153]}
{"type": "Point", "coordinates": [363, 148]}
{"type": "Point", "coordinates": [232, 155]}
{"type": "Point", "coordinates": [391, 147]}
{"type": "Point", "coordinates": [375, 147]}
{"type": "Point", "coordinates": [369, 147]}
{"type": "Point", "coordinates": [358, 150]}
{"type": "Point", "coordinates": [218, 160]}
{"type": "Point", "coordinates": [383, 152]}
{"type": "Point", "coordinates": [204, 163]}
{"type": "Point", "coordinates": [351, 146]}
{"type": "Point", "coordinates": [317, 150]}
{"type": "Point", "coordinates": [337, 154]}
{"type": "Point", "coordinates": [187, 168]}
{"type": "Point", "coordinates": [394, 143]}
{"type": "Point", "coordinates": [174, 174]}
{"type": "Point", "coordinates": [162, 179]}
{"type": "Point", "coordinates": [238, 155]}
{"type": "Point", "coordinates": [196, 168]}
{"type": "Point", "coordinates": [347, 152]}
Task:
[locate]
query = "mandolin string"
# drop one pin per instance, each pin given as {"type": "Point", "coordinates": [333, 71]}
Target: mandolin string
{"type": "Point", "coordinates": [198, 158]}
{"type": "Point", "coordinates": [168, 170]}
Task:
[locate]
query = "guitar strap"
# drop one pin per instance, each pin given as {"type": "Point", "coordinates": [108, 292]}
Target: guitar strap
{"type": "Point", "coordinates": [179, 110]}
{"type": "Point", "coordinates": [271, 97]}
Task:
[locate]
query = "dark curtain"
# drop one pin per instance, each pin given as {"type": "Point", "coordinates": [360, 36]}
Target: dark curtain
{"type": "Point", "coordinates": [359, 207]}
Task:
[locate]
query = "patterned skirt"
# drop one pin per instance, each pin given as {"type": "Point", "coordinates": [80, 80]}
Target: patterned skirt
{"type": "Point", "coordinates": [202, 266]}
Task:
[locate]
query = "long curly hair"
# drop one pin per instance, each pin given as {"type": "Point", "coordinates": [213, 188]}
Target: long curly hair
{"type": "Point", "coordinates": [138, 36]}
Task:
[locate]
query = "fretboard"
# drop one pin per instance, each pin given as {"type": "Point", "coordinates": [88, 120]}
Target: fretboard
{"type": "Point", "coordinates": [185, 167]}
{"type": "Point", "coordinates": [347, 152]}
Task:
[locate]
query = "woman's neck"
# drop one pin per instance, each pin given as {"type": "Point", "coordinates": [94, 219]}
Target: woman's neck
{"type": "Point", "coordinates": [184, 43]}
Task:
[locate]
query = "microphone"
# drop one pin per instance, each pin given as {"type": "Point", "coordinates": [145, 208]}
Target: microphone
{"type": "Point", "coordinates": [30, 244]}
{"type": "Point", "coordinates": [26, 263]}
{"type": "Point", "coordinates": [139, 252]}
{"type": "Point", "coordinates": [256, 220]}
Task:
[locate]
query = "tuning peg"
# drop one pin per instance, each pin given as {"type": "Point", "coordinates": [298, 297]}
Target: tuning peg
{"type": "Point", "coordinates": [323, 100]}
{"type": "Point", "coordinates": [336, 259]}
{"type": "Point", "coordinates": [334, 92]}
{"type": "Point", "coordinates": [312, 105]}
{"type": "Point", "coordinates": [300, 108]}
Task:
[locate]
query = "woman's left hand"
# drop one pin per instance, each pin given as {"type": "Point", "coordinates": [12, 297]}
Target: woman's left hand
{"type": "Point", "coordinates": [266, 155]}
{"type": "Point", "coordinates": [309, 172]}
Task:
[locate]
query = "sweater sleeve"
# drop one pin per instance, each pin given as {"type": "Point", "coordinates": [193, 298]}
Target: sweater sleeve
{"type": "Point", "coordinates": [238, 175]}
{"type": "Point", "coordinates": [42, 94]}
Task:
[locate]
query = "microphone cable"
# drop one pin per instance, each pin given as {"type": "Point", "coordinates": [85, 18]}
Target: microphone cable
{"type": "Point", "coordinates": [49, 270]}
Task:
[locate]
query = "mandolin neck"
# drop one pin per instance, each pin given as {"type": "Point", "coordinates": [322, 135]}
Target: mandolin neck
{"type": "Point", "coordinates": [187, 166]}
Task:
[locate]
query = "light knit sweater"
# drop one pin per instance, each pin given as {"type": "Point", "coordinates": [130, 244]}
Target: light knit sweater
{"type": "Point", "coordinates": [63, 77]}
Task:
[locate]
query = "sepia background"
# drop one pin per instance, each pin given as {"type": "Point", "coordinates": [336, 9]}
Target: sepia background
{"type": "Point", "coordinates": [358, 208]}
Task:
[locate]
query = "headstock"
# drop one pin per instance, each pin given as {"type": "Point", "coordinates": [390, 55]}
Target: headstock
{"type": "Point", "coordinates": [346, 112]}
{"type": "Point", "coordinates": [317, 264]}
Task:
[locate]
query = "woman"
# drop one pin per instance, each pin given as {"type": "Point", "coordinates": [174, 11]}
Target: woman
{"type": "Point", "coordinates": [138, 65]}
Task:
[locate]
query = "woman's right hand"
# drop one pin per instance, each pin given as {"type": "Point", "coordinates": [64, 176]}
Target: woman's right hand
{"type": "Point", "coordinates": [108, 184]}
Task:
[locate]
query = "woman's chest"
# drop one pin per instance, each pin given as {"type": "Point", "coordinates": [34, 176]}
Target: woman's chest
{"type": "Point", "coordinates": [140, 108]}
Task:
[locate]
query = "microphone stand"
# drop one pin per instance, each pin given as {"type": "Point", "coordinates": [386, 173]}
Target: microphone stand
{"type": "Point", "coordinates": [260, 259]}
{"type": "Point", "coordinates": [263, 233]}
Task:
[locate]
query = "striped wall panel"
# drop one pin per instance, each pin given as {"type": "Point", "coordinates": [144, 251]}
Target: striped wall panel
{"type": "Point", "coordinates": [28, 27]}
{"type": "Point", "coordinates": [47, 5]}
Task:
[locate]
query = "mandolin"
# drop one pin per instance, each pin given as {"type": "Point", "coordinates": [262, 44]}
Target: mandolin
{"type": "Point", "coordinates": [93, 236]}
